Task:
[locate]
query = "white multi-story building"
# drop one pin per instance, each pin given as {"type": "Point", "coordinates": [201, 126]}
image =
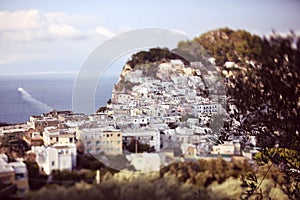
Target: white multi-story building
{"type": "Point", "coordinates": [206, 109]}
{"type": "Point", "coordinates": [58, 157]}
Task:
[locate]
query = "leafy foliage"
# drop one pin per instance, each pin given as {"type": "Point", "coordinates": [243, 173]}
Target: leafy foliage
{"type": "Point", "coordinates": [227, 45]}
{"type": "Point", "coordinates": [268, 97]}
{"type": "Point", "coordinates": [140, 147]}
{"type": "Point", "coordinates": [265, 90]}
{"type": "Point", "coordinates": [102, 109]}
{"type": "Point", "coordinates": [153, 55]}
{"type": "Point", "coordinates": [203, 172]}
{"type": "Point", "coordinates": [141, 188]}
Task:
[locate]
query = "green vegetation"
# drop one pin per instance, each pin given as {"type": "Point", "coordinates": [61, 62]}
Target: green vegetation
{"type": "Point", "coordinates": [153, 55]}
{"type": "Point", "coordinates": [4, 124]}
{"type": "Point", "coordinates": [185, 117]}
{"type": "Point", "coordinates": [203, 172]}
{"type": "Point", "coordinates": [193, 52]}
{"type": "Point", "coordinates": [129, 85]}
{"type": "Point", "coordinates": [135, 145]}
{"type": "Point", "coordinates": [141, 188]}
{"type": "Point", "coordinates": [203, 179]}
{"type": "Point", "coordinates": [267, 97]}
{"type": "Point", "coordinates": [36, 180]}
{"type": "Point", "coordinates": [102, 109]}
{"type": "Point", "coordinates": [227, 45]}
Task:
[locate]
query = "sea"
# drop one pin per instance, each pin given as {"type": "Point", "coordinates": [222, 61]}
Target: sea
{"type": "Point", "coordinates": [24, 96]}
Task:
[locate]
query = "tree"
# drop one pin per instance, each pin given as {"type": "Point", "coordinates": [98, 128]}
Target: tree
{"type": "Point", "coordinates": [268, 99]}
{"type": "Point", "coordinates": [225, 44]}
{"type": "Point", "coordinates": [135, 145]}
{"type": "Point", "coordinates": [102, 109]}
{"type": "Point", "coordinates": [265, 90]}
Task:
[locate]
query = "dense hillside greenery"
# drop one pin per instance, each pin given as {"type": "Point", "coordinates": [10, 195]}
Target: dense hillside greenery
{"type": "Point", "coordinates": [153, 55]}
{"type": "Point", "coordinates": [203, 179]}
{"type": "Point", "coordinates": [227, 45]}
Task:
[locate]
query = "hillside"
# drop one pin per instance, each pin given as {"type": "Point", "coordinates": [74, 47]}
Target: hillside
{"type": "Point", "coordinates": [234, 46]}
{"type": "Point", "coordinates": [262, 78]}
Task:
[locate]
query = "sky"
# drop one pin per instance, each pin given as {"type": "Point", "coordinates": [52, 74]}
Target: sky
{"type": "Point", "coordinates": [56, 37]}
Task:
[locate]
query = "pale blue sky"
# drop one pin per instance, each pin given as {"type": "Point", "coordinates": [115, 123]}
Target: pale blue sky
{"type": "Point", "coordinates": [57, 36]}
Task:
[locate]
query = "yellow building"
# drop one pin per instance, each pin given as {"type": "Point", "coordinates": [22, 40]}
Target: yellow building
{"type": "Point", "coordinates": [98, 140]}
{"type": "Point", "coordinates": [52, 135]}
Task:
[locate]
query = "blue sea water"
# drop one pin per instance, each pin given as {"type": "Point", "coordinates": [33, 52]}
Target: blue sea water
{"type": "Point", "coordinates": [23, 96]}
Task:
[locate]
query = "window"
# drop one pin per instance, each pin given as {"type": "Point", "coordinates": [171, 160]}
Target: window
{"type": "Point", "coordinates": [107, 135]}
{"type": "Point", "coordinates": [71, 140]}
{"type": "Point", "coordinates": [52, 163]}
{"type": "Point", "coordinates": [56, 139]}
{"type": "Point", "coordinates": [119, 134]}
{"type": "Point", "coordinates": [19, 176]}
{"type": "Point", "coordinates": [118, 141]}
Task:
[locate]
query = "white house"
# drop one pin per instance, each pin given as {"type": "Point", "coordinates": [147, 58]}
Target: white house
{"type": "Point", "coordinates": [58, 157]}
{"type": "Point", "coordinates": [144, 162]}
{"type": "Point", "coordinates": [141, 121]}
{"type": "Point", "coordinates": [228, 148]}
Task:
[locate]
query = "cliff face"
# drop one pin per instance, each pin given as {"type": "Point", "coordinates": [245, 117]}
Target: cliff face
{"type": "Point", "coordinates": [157, 75]}
{"type": "Point", "coordinates": [160, 65]}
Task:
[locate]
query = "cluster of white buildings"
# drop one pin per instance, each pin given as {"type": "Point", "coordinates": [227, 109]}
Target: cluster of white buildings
{"type": "Point", "coordinates": [170, 110]}
{"type": "Point", "coordinates": [176, 95]}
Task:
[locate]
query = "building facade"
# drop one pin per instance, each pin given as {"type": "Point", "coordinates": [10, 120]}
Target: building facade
{"type": "Point", "coordinates": [98, 140]}
{"type": "Point", "coordinates": [52, 135]}
{"type": "Point", "coordinates": [58, 157]}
